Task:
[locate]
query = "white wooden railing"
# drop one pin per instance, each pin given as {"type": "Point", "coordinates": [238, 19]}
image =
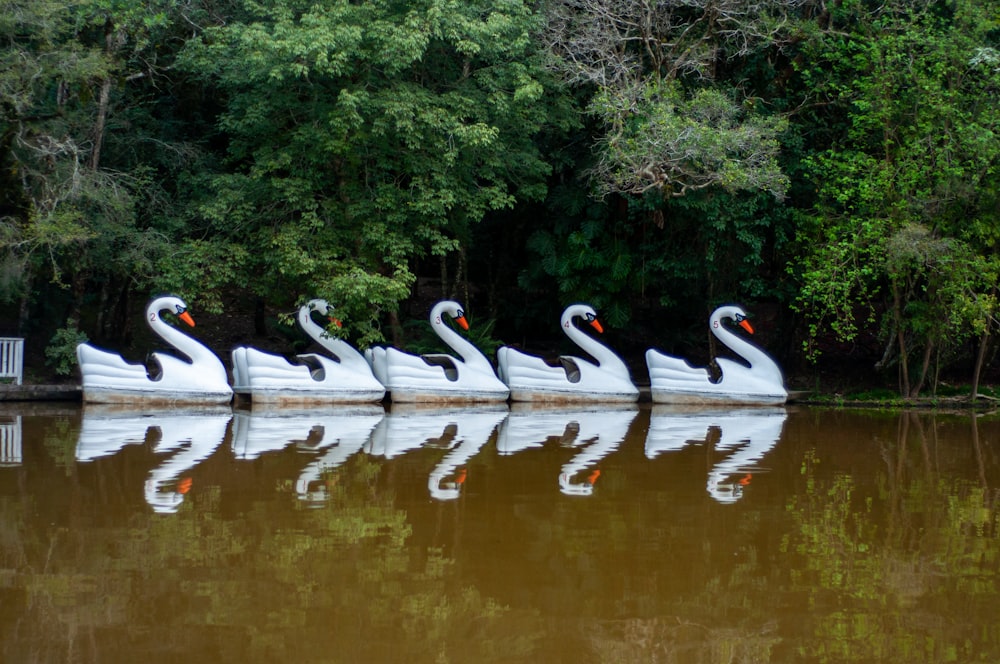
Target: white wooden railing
{"type": "Point", "coordinates": [10, 442]}
{"type": "Point", "coordinates": [12, 358]}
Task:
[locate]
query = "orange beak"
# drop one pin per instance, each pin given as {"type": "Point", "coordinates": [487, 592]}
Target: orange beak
{"type": "Point", "coordinates": [462, 322]}
{"type": "Point", "coordinates": [745, 324]}
{"type": "Point", "coordinates": [336, 321]}
{"type": "Point", "coordinates": [593, 477]}
{"type": "Point", "coordinates": [596, 324]}
{"type": "Point", "coordinates": [461, 477]}
{"type": "Point", "coordinates": [186, 317]}
{"type": "Point", "coordinates": [184, 485]}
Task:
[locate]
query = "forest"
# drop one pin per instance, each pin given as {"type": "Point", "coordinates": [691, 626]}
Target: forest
{"type": "Point", "coordinates": [831, 165]}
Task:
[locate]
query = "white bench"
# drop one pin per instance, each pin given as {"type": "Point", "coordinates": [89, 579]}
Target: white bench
{"type": "Point", "coordinates": [12, 358]}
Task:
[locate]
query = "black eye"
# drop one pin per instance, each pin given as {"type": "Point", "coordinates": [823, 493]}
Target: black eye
{"type": "Point", "coordinates": [460, 314]}
{"type": "Point", "coordinates": [180, 310]}
{"type": "Point", "coordinates": [740, 318]}
{"type": "Point", "coordinates": [590, 318]}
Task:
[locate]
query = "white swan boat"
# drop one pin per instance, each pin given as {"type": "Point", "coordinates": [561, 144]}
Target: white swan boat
{"type": "Point", "coordinates": [531, 378]}
{"type": "Point", "coordinates": [200, 379]}
{"type": "Point", "coordinates": [673, 380]}
{"type": "Point", "coordinates": [314, 379]}
{"type": "Point", "coordinates": [439, 378]}
{"type": "Point", "coordinates": [745, 436]}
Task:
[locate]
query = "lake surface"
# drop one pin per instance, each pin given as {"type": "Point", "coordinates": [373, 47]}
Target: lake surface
{"type": "Point", "coordinates": [512, 535]}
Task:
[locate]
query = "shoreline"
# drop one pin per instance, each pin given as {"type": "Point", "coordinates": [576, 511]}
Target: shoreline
{"type": "Point", "coordinates": [73, 393]}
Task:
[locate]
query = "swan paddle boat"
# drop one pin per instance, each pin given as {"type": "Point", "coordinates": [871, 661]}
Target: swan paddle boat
{"type": "Point", "coordinates": [313, 379]}
{"type": "Point", "coordinates": [199, 379]}
{"type": "Point", "coordinates": [531, 378]}
{"type": "Point", "coordinates": [673, 380]}
{"type": "Point", "coordinates": [439, 378]}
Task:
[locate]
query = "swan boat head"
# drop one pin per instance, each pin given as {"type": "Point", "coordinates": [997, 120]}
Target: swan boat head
{"type": "Point", "coordinates": [453, 309]}
{"type": "Point", "coordinates": [732, 312]}
{"type": "Point", "coordinates": [584, 311]}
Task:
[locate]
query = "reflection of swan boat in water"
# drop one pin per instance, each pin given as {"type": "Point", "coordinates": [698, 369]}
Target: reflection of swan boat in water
{"type": "Point", "coordinates": [474, 430]}
{"type": "Point", "coordinates": [331, 435]}
{"type": "Point", "coordinates": [192, 439]}
{"type": "Point", "coordinates": [596, 431]}
{"type": "Point", "coordinates": [407, 427]}
{"type": "Point", "coordinates": [601, 433]}
{"type": "Point", "coordinates": [745, 434]}
{"type": "Point", "coordinates": [673, 380]}
{"type": "Point", "coordinates": [106, 430]}
{"type": "Point", "coordinates": [531, 378]}
{"type": "Point", "coordinates": [439, 378]}
{"type": "Point", "coordinates": [464, 431]}
{"type": "Point", "coordinates": [200, 379]}
{"type": "Point", "coordinates": [314, 379]}
{"type": "Point", "coordinates": [192, 436]}
{"type": "Point", "coordinates": [340, 440]}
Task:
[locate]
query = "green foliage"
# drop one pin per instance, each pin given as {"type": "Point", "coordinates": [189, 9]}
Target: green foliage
{"type": "Point", "coordinates": [675, 259]}
{"type": "Point", "coordinates": [898, 224]}
{"type": "Point", "coordinates": [677, 142]}
{"type": "Point", "coordinates": [667, 119]}
{"type": "Point", "coordinates": [85, 179]}
{"type": "Point", "coordinates": [201, 271]}
{"type": "Point", "coordinates": [365, 136]}
{"type": "Point", "coordinates": [60, 354]}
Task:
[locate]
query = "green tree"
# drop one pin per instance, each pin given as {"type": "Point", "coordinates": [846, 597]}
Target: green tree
{"type": "Point", "coordinates": [89, 152]}
{"type": "Point", "coordinates": [363, 137]}
{"type": "Point", "coordinates": [668, 120]}
{"type": "Point", "coordinates": [900, 223]}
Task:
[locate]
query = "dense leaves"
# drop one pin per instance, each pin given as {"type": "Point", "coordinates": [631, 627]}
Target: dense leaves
{"type": "Point", "coordinates": [898, 219]}
{"type": "Point", "coordinates": [834, 160]}
{"type": "Point", "coordinates": [365, 136]}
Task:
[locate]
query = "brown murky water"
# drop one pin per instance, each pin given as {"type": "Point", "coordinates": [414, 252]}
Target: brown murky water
{"type": "Point", "coordinates": [632, 535]}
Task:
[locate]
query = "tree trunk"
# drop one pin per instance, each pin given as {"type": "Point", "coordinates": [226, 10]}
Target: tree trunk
{"type": "Point", "coordinates": [23, 311]}
{"type": "Point", "coordinates": [445, 288]}
{"type": "Point", "coordinates": [924, 366]}
{"type": "Point", "coordinates": [977, 370]}
{"type": "Point", "coordinates": [897, 314]}
{"type": "Point", "coordinates": [102, 104]}
{"type": "Point", "coordinates": [99, 124]}
{"type": "Point", "coordinates": [396, 329]}
{"type": "Point", "coordinates": [259, 317]}
{"type": "Point", "coordinates": [463, 274]}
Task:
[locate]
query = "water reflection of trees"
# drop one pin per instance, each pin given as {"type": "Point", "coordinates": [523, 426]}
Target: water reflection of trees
{"type": "Point", "coordinates": [896, 563]}
{"type": "Point", "coordinates": [899, 569]}
{"type": "Point", "coordinates": [263, 584]}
